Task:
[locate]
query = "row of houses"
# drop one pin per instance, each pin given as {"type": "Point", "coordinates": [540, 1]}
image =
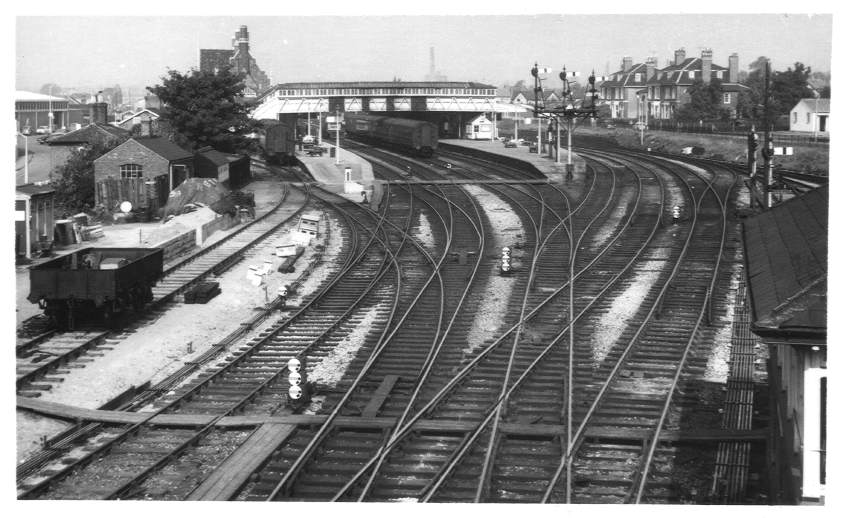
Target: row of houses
{"type": "Point", "coordinates": [641, 91]}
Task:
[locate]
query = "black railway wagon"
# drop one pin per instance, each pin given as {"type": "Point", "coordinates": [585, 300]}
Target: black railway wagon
{"type": "Point", "coordinates": [417, 137]}
{"type": "Point", "coordinates": [277, 141]}
{"type": "Point", "coordinates": [94, 282]}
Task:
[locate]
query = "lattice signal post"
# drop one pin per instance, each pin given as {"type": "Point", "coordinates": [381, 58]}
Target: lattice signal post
{"type": "Point", "coordinates": [568, 109]}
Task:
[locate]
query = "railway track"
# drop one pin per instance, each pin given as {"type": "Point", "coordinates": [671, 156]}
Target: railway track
{"type": "Point", "coordinates": [49, 350]}
{"type": "Point", "coordinates": [438, 403]}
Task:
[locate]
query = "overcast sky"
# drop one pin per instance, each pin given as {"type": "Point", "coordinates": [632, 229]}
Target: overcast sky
{"type": "Point", "coordinates": [103, 51]}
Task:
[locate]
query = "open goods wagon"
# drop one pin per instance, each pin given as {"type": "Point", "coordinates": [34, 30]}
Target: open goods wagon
{"type": "Point", "coordinates": [411, 136]}
{"type": "Point", "coordinates": [94, 282]}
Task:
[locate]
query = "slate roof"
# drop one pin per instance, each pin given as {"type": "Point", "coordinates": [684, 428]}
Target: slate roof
{"type": "Point", "coordinates": [164, 148]}
{"type": "Point", "coordinates": [34, 189]}
{"type": "Point", "coordinates": [815, 105]}
{"type": "Point", "coordinates": [786, 261]}
{"type": "Point", "coordinates": [216, 157]}
{"type": "Point", "coordinates": [89, 134]}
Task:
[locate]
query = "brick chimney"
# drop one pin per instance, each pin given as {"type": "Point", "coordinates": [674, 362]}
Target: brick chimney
{"type": "Point", "coordinates": [733, 68]}
{"type": "Point", "coordinates": [145, 130]}
{"type": "Point", "coordinates": [627, 62]}
{"type": "Point", "coordinates": [707, 61]}
{"type": "Point", "coordinates": [243, 46]}
{"type": "Point", "coordinates": [97, 113]}
{"type": "Point", "coordinates": [651, 66]}
{"type": "Point", "coordinates": [680, 54]}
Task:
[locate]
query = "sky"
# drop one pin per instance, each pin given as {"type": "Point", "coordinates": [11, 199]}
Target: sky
{"type": "Point", "coordinates": [100, 51]}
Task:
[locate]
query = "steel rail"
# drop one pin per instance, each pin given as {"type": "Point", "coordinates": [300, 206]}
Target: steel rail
{"type": "Point", "coordinates": [577, 439]}
{"type": "Point", "coordinates": [288, 478]}
{"type": "Point", "coordinates": [643, 476]}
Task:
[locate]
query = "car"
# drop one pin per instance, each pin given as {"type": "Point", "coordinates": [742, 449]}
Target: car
{"type": "Point", "coordinates": [42, 130]}
{"type": "Point", "coordinates": [511, 143]}
{"type": "Point", "coordinates": [26, 130]}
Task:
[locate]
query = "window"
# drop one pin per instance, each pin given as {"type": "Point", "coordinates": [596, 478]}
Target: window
{"type": "Point", "coordinates": [638, 77]}
{"type": "Point", "coordinates": [795, 117]}
{"type": "Point", "coordinates": [726, 98]}
{"type": "Point", "coordinates": [131, 171]}
{"type": "Point", "coordinates": [692, 74]}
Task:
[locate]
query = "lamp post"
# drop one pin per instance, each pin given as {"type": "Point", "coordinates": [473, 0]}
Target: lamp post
{"type": "Point", "coordinates": [26, 158]}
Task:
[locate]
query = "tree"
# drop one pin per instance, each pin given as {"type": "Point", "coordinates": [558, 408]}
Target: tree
{"type": "Point", "coordinates": [75, 186]}
{"type": "Point", "coordinates": [204, 109]}
{"type": "Point", "coordinates": [705, 102]}
{"type": "Point", "coordinates": [790, 86]}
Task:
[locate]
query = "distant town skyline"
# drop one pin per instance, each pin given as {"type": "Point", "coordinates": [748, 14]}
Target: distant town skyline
{"type": "Point", "coordinates": [491, 49]}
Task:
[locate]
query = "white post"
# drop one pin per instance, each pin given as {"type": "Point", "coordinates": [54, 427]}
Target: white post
{"type": "Point", "coordinates": [515, 123]}
{"type": "Point", "coordinates": [569, 123]}
{"type": "Point", "coordinates": [309, 130]}
{"type": "Point", "coordinates": [319, 122]}
{"type": "Point", "coordinates": [811, 431]}
{"type": "Point", "coordinates": [557, 145]}
{"type": "Point", "coordinates": [26, 159]}
{"type": "Point", "coordinates": [539, 135]}
{"type": "Point", "coordinates": [338, 126]}
{"type": "Point", "coordinates": [50, 109]}
{"type": "Point", "coordinates": [27, 205]}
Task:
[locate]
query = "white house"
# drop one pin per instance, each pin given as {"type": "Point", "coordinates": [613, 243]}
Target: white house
{"type": "Point", "coordinates": [811, 115]}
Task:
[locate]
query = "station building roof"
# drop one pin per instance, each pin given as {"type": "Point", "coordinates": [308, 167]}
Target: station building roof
{"type": "Point", "coordinates": [786, 265]}
{"type": "Point", "coordinates": [23, 96]}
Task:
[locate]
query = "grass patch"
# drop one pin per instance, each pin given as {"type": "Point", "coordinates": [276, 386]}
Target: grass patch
{"type": "Point", "coordinates": [806, 158]}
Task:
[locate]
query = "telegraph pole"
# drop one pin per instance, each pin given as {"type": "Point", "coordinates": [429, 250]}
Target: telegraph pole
{"type": "Point", "coordinates": [767, 147]}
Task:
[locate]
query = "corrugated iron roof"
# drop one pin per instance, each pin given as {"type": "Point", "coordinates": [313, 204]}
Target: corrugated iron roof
{"type": "Point", "coordinates": [786, 261]}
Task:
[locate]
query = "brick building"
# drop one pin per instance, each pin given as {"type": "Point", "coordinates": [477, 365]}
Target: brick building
{"type": "Point", "coordinates": [239, 61]}
{"type": "Point", "coordinates": [641, 87]}
{"type": "Point", "coordinates": [142, 171]}
{"type": "Point", "coordinates": [34, 217]}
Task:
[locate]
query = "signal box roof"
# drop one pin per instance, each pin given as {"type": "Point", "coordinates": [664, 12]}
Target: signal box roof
{"type": "Point", "coordinates": [787, 267]}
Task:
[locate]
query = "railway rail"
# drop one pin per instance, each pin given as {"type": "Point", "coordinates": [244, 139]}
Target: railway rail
{"type": "Point", "coordinates": [48, 350]}
{"type": "Point", "coordinates": [551, 402]}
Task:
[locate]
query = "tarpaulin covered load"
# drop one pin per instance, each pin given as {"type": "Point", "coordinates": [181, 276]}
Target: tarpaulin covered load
{"type": "Point", "coordinates": [195, 192]}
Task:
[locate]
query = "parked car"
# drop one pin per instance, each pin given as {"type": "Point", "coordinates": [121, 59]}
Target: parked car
{"type": "Point", "coordinates": [42, 130]}
{"type": "Point", "coordinates": [26, 130]}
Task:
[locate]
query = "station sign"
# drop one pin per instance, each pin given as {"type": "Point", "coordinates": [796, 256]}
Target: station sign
{"type": "Point", "coordinates": [334, 123]}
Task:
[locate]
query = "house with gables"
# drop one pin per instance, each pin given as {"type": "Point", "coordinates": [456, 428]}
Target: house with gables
{"type": "Point", "coordinates": [636, 89]}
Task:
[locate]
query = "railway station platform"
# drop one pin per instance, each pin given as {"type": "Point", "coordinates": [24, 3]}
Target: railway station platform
{"type": "Point", "coordinates": [541, 162]}
{"type": "Point", "coordinates": [351, 177]}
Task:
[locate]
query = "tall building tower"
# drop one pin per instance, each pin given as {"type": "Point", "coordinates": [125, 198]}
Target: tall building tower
{"type": "Point", "coordinates": [239, 61]}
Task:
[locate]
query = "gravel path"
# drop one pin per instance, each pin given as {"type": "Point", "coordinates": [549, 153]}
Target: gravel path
{"type": "Point", "coordinates": [507, 228]}
{"type": "Point", "coordinates": [613, 323]}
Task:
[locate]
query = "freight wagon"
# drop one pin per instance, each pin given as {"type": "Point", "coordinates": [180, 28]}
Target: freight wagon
{"type": "Point", "coordinates": [94, 282]}
{"type": "Point", "coordinates": [277, 141]}
{"type": "Point", "coordinates": [411, 136]}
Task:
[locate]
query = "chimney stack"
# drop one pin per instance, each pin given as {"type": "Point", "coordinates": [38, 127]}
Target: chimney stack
{"type": "Point", "coordinates": [97, 113]}
{"type": "Point", "coordinates": [733, 68]}
{"type": "Point", "coordinates": [627, 62]}
{"type": "Point", "coordinates": [680, 54]}
{"type": "Point", "coordinates": [651, 66]}
{"type": "Point", "coordinates": [707, 62]}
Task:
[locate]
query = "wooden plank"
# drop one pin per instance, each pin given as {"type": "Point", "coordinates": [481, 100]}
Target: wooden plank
{"type": "Point", "coordinates": [380, 395]}
{"type": "Point", "coordinates": [229, 477]}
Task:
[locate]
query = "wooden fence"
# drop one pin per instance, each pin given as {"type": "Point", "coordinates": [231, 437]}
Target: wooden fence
{"type": "Point", "coordinates": [142, 193]}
